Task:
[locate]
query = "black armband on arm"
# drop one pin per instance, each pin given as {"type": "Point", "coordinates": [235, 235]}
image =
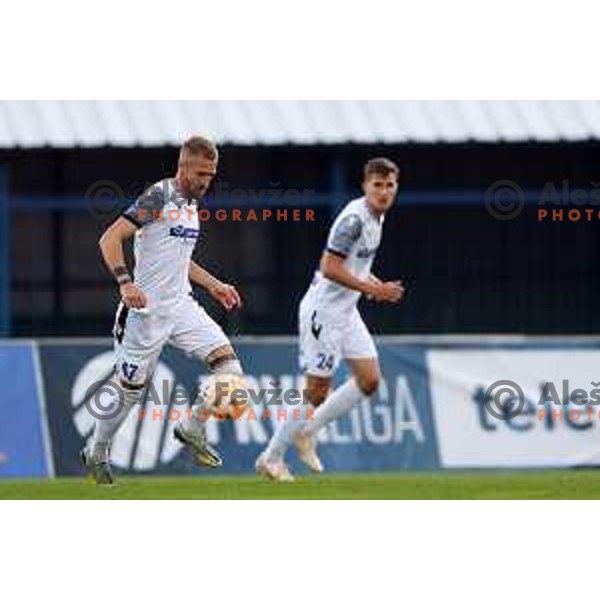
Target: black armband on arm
{"type": "Point", "coordinates": [122, 275]}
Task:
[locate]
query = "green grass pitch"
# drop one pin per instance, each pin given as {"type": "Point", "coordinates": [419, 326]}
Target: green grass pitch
{"type": "Point", "coordinates": [464, 485]}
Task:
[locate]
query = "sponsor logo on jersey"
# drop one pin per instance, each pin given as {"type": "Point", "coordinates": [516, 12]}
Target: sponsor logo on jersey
{"type": "Point", "coordinates": [187, 233]}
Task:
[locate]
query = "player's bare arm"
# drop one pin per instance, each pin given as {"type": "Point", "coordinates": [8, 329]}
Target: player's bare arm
{"type": "Point", "coordinates": [332, 267]}
{"type": "Point", "coordinates": [111, 245]}
{"type": "Point", "coordinates": [223, 293]}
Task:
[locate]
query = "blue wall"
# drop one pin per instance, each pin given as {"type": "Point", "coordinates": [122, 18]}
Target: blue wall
{"type": "Point", "coordinates": [23, 449]}
{"type": "Point", "coordinates": [429, 412]}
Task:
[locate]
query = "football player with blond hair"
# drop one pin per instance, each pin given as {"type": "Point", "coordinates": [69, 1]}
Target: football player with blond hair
{"type": "Point", "coordinates": [157, 306]}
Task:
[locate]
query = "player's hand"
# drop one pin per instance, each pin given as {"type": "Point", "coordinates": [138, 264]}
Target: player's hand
{"type": "Point", "coordinates": [226, 295]}
{"type": "Point", "coordinates": [132, 296]}
{"type": "Point", "coordinates": [386, 291]}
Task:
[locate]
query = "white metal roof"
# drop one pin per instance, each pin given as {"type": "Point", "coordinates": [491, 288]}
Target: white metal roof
{"type": "Point", "coordinates": [57, 123]}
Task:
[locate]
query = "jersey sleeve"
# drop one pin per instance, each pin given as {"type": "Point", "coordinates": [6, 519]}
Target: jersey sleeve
{"type": "Point", "coordinates": [344, 234]}
{"type": "Point", "coordinates": [146, 208]}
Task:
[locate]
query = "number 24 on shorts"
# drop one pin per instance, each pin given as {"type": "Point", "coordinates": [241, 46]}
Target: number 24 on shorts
{"type": "Point", "coordinates": [324, 361]}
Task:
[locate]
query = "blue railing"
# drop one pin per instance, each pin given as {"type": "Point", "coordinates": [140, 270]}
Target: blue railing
{"type": "Point", "coordinates": [271, 198]}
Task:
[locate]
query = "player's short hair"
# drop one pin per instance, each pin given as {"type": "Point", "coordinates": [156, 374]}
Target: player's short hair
{"type": "Point", "coordinates": [198, 144]}
{"type": "Point", "coordinates": [380, 166]}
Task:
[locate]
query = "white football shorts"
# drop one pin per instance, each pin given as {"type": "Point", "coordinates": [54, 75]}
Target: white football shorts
{"type": "Point", "coordinates": [140, 336]}
{"type": "Point", "coordinates": [325, 340]}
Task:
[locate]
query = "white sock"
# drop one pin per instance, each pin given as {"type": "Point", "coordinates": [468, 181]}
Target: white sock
{"type": "Point", "coordinates": [197, 424]}
{"type": "Point", "coordinates": [281, 439]}
{"type": "Point", "coordinates": [118, 410]}
{"type": "Point", "coordinates": [337, 404]}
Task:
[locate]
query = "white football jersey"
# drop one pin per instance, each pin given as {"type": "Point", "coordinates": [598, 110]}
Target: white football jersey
{"type": "Point", "coordinates": [355, 235]}
{"type": "Point", "coordinates": [168, 228]}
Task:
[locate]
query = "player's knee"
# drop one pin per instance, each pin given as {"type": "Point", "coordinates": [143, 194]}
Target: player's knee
{"type": "Point", "coordinates": [369, 383]}
{"type": "Point", "coordinates": [131, 392]}
{"type": "Point", "coordinates": [224, 361]}
{"type": "Point", "coordinates": [316, 393]}
{"type": "Point", "coordinates": [226, 365]}
{"type": "Point", "coordinates": [132, 386]}
{"type": "Point", "coordinates": [317, 397]}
